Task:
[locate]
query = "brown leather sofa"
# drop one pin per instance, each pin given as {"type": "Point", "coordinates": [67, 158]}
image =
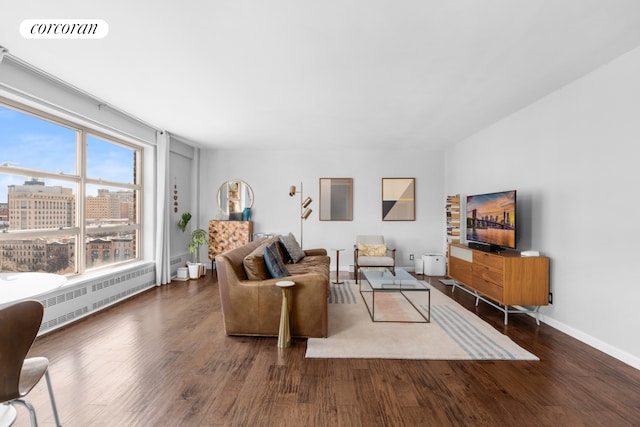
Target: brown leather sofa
{"type": "Point", "coordinates": [252, 306]}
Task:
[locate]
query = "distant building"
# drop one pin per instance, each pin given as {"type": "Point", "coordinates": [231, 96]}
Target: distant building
{"type": "Point", "coordinates": [24, 254]}
{"type": "Point", "coordinates": [110, 207]}
{"type": "Point", "coordinates": [102, 251]}
{"type": "Point", "coordinates": [123, 248]}
{"type": "Point", "coordinates": [4, 215]}
{"type": "Point", "coordinates": [36, 206]}
{"type": "Point", "coordinates": [61, 256]}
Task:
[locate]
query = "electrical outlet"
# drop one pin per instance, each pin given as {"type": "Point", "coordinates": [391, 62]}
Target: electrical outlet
{"type": "Point", "coordinates": [410, 257]}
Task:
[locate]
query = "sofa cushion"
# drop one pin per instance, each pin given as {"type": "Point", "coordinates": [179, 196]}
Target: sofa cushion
{"type": "Point", "coordinates": [254, 264]}
{"type": "Point", "coordinates": [372, 250]}
{"type": "Point", "coordinates": [274, 263]}
{"type": "Point", "coordinates": [311, 264]}
{"type": "Point", "coordinates": [292, 249]}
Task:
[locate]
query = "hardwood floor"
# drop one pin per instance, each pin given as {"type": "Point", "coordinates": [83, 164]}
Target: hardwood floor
{"type": "Point", "coordinates": [162, 359]}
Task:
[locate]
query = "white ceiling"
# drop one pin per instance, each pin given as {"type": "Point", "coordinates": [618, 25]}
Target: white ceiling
{"type": "Point", "coordinates": [332, 73]}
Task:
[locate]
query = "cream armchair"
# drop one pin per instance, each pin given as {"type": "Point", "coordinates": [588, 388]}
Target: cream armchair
{"type": "Point", "coordinates": [371, 251]}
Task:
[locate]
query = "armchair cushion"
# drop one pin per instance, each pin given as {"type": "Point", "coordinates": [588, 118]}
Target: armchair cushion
{"type": "Point", "coordinates": [376, 261]}
{"type": "Point", "coordinates": [274, 263]}
{"type": "Point", "coordinates": [372, 250]}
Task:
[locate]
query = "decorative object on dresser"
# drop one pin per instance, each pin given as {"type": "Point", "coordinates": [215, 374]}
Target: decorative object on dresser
{"type": "Point", "coordinates": [305, 210]}
{"type": "Point", "coordinates": [398, 199]}
{"type": "Point", "coordinates": [246, 214]}
{"type": "Point", "coordinates": [232, 227]}
{"type": "Point", "coordinates": [505, 280]}
{"type": "Point", "coordinates": [233, 197]}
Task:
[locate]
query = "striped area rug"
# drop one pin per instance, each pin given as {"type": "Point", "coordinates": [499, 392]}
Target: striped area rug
{"type": "Point", "coordinates": [453, 334]}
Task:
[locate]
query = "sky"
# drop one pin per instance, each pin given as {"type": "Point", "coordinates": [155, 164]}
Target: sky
{"type": "Point", "coordinates": [34, 143]}
{"type": "Point", "coordinates": [492, 204]}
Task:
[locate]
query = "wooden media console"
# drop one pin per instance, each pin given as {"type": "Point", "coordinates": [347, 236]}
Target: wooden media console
{"type": "Point", "coordinates": [505, 280]}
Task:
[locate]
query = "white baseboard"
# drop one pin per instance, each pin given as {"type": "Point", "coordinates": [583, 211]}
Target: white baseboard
{"type": "Point", "coordinates": [612, 351]}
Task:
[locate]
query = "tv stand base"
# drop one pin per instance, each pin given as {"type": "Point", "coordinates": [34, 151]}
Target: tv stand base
{"type": "Point", "coordinates": [485, 247]}
{"type": "Point", "coordinates": [506, 309]}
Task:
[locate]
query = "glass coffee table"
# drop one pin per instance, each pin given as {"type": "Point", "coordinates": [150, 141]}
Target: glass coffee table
{"type": "Point", "coordinates": [383, 280]}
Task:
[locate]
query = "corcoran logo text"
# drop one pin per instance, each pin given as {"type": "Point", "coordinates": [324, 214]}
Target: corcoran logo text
{"type": "Point", "coordinates": [64, 28]}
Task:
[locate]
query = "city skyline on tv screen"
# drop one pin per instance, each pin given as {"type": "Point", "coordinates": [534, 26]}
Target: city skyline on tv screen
{"type": "Point", "coordinates": [491, 218]}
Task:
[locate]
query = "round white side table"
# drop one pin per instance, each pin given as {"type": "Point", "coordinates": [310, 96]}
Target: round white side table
{"type": "Point", "coordinates": [284, 334]}
{"type": "Point", "coordinates": [337, 281]}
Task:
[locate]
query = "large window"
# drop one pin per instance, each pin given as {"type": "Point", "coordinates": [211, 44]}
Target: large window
{"type": "Point", "coordinates": [69, 196]}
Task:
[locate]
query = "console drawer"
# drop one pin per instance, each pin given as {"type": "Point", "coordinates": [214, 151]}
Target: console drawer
{"type": "Point", "coordinates": [494, 276]}
{"type": "Point", "coordinates": [489, 260]}
{"type": "Point", "coordinates": [488, 289]}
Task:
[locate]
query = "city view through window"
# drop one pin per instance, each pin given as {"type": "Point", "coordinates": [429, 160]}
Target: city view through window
{"type": "Point", "coordinates": [69, 196]}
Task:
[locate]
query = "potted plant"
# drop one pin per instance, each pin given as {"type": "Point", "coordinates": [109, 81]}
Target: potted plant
{"type": "Point", "coordinates": [198, 238]}
{"type": "Point", "coordinates": [183, 272]}
{"type": "Point", "coordinates": [184, 220]}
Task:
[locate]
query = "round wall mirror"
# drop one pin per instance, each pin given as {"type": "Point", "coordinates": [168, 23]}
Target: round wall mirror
{"type": "Point", "coordinates": [233, 197]}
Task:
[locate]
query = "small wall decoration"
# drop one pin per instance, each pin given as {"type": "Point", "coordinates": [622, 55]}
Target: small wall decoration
{"type": "Point", "coordinates": [398, 199]}
{"type": "Point", "coordinates": [175, 198]}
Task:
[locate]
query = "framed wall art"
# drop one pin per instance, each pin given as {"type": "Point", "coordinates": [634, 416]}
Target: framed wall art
{"type": "Point", "coordinates": [336, 199]}
{"type": "Point", "coordinates": [398, 199]}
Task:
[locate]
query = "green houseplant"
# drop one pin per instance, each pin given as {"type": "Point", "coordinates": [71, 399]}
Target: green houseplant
{"type": "Point", "coordinates": [184, 220]}
{"type": "Point", "coordinates": [183, 272]}
{"type": "Point", "coordinates": [198, 238]}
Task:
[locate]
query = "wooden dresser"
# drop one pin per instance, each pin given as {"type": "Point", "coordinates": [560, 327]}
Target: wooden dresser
{"type": "Point", "coordinates": [226, 235]}
{"type": "Point", "coordinates": [512, 281]}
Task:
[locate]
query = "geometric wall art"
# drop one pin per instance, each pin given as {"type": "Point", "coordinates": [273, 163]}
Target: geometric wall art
{"type": "Point", "coordinates": [398, 199]}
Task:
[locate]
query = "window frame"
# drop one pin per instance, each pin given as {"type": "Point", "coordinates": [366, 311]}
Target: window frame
{"type": "Point", "coordinates": [81, 181]}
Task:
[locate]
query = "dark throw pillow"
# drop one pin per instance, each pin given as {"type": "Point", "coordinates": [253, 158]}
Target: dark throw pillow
{"type": "Point", "coordinates": [274, 263]}
{"type": "Point", "coordinates": [292, 248]}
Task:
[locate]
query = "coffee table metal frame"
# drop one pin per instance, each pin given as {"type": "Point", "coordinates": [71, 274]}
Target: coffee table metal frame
{"type": "Point", "coordinates": [386, 281]}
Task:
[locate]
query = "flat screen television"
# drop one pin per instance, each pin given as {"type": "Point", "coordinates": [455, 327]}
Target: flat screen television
{"type": "Point", "coordinates": [491, 219]}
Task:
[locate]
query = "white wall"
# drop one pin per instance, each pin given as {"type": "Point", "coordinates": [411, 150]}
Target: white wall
{"type": "Point", "coordinates": [271, 172]}
{"type": "Point", "coordinates": [26, 84]}
{"type": "Point", "coordinates": [180, 163]}
{"type": "Point", "coordinates": [574, 158]}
